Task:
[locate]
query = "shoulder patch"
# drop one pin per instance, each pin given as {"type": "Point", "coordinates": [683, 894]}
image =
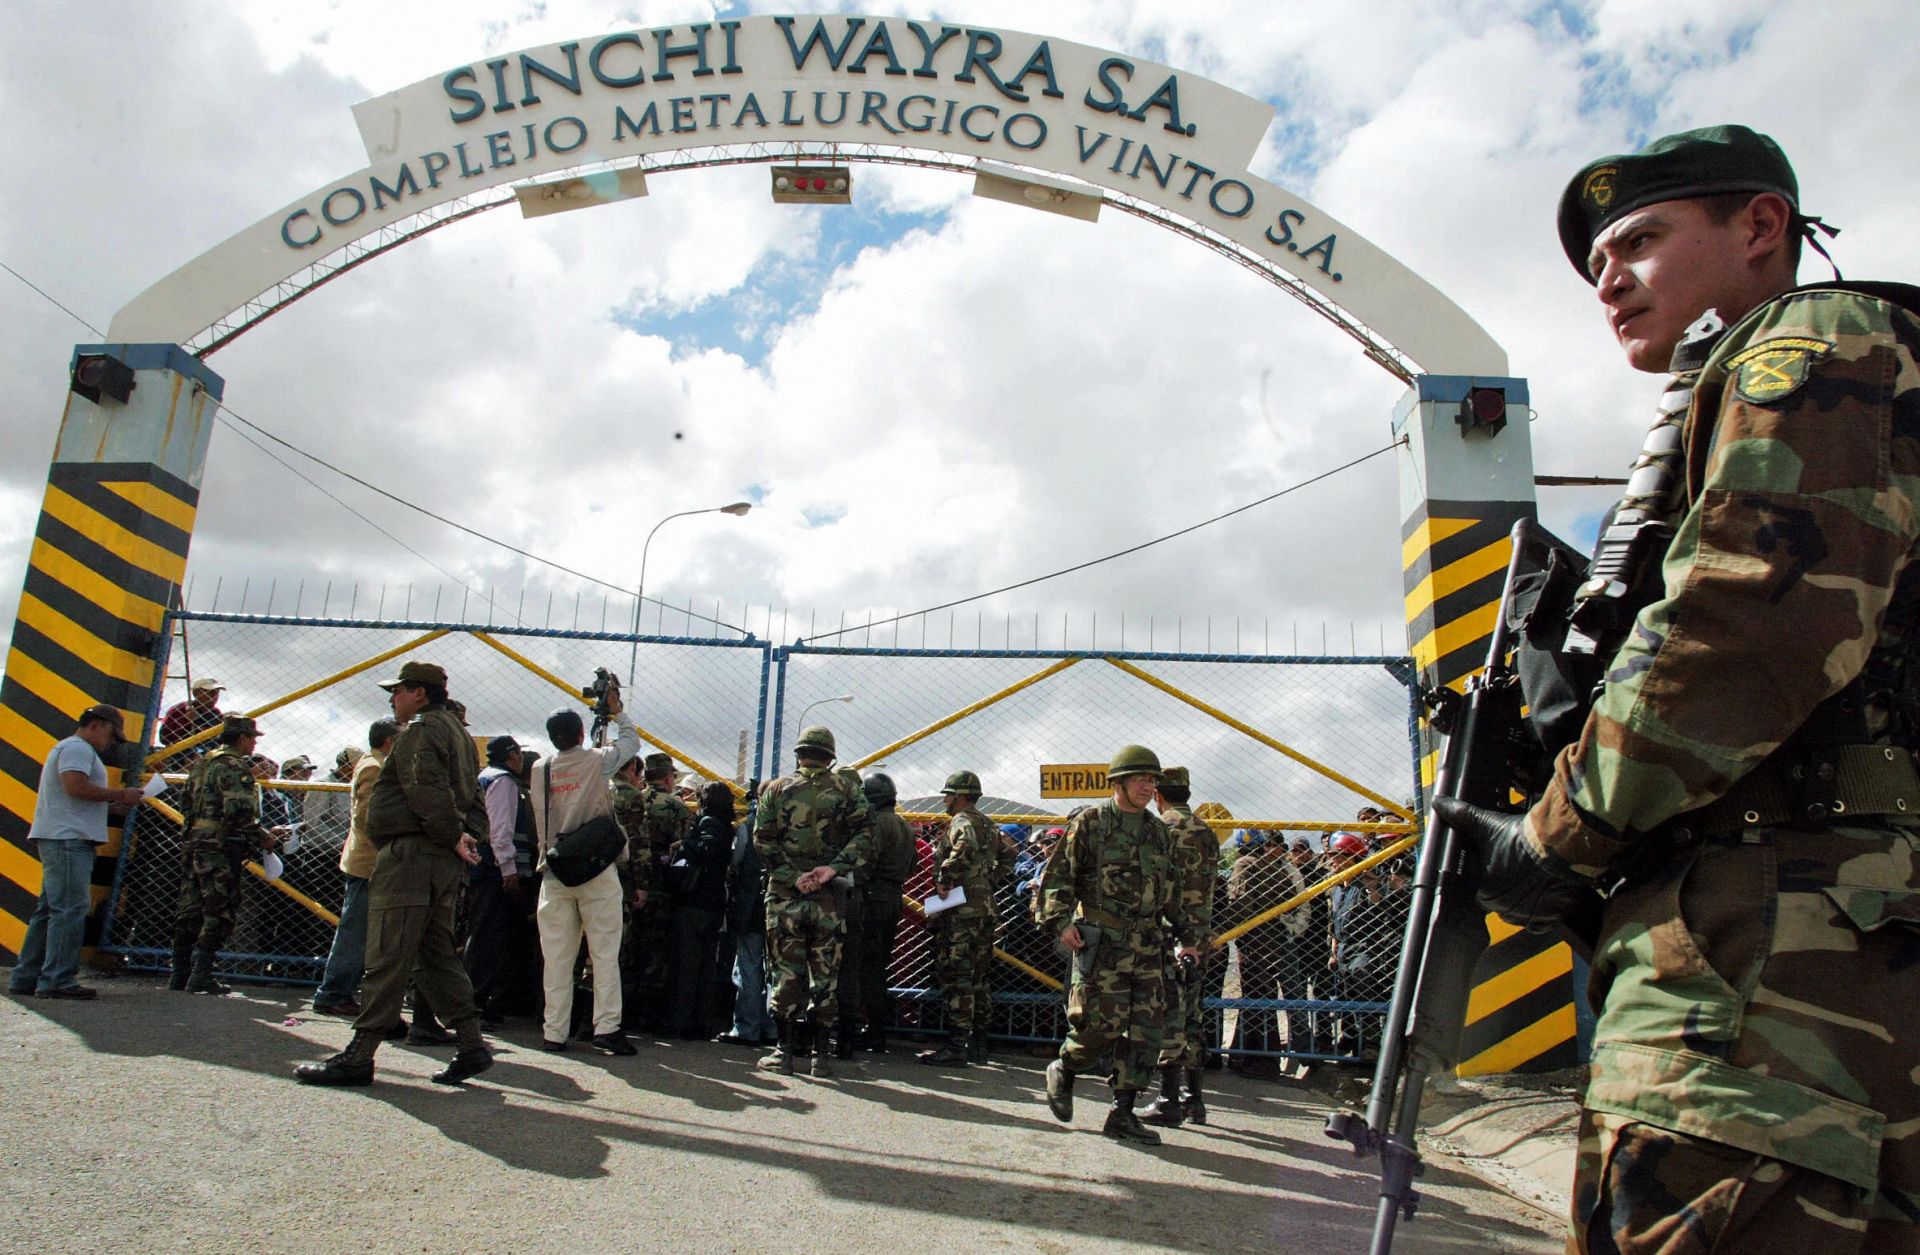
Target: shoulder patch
{"type": "Point", "coordinates": [1773, 370]}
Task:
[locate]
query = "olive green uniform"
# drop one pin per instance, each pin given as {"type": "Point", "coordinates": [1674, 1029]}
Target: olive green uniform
{"type": "Point", "coordinates": [427, 795]}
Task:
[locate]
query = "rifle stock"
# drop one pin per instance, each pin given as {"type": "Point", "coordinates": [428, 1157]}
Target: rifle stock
{"type": "Point", "coordinates": [1446, 928]}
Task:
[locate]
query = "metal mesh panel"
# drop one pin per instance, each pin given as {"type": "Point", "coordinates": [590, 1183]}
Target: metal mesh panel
{"type": "Point", "coordinates": [1271, 990]}
{"type": "Point", "coordinates": [699, 697]}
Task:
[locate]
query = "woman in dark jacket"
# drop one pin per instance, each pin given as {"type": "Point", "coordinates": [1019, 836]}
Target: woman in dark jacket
{"type": "Point", "coordinates": [697, 876]}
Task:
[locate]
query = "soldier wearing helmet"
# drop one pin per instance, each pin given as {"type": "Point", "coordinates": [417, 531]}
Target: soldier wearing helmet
{"type": "Point", "coordinates": [894, 857]}
{"type": "Point", "coordinates": [964, 854]}
{"type": "Point", "coordinates": [1196, 863]}
{"type": "Point", "coordinates": [812, 828]}
{"type": "Point", "coordinates": [1105, 893]}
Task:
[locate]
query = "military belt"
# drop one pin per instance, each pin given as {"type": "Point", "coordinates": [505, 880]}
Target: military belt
{"type": "Point", "coordinates": [1117, 923]}
{"type": "Point", "coordinates": [1865, 780]}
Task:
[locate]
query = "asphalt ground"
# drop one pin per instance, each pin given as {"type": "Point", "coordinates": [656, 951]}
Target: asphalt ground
{"type": "Point", "coordinates": [157, 1120]}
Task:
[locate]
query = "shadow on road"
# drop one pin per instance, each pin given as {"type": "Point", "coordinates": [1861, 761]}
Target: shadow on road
{"type": "Point", "coordinates": [529, 1116]}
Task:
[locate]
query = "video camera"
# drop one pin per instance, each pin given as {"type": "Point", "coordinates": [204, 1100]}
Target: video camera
{"type": "Point", "coordinates": [605, 687]}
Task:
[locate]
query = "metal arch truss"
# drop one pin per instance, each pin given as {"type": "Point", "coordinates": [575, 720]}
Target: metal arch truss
{"type": "Point", "coordinates": [385, 239]}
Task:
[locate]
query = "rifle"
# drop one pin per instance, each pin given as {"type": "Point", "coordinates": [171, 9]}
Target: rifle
{"type": "Point", "coordinates": [1446, 928]}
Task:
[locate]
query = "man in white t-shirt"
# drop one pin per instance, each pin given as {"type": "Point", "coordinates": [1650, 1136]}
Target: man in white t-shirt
{"type": "Point", "coordinates": [69, 820]}
{"type": "Point", "coordinates": [569, 789]}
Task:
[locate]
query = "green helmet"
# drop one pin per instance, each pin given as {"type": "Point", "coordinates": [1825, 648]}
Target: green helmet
{"type": "Point", "coordinates": [1133, 760]}
{"type": "Point", "coordinates": [815, 738]}
{"type": "Point", "coordinates": [879, 789]}
{"type": "Point", "coordinates": [848, 774]}
{"type": "Point", "coordinates": [962, 782]}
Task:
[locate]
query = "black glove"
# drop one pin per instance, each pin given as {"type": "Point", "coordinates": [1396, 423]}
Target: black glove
{"type": "Point", "coordinates": [1517, 882]}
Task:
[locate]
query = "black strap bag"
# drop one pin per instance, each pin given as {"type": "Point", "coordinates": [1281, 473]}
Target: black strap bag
{"type": "Point", "coordinates": [581, 854]}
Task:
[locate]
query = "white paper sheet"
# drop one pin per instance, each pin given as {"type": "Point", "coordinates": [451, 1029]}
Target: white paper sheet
{"type": "Point", "coordinates": [955, 896]}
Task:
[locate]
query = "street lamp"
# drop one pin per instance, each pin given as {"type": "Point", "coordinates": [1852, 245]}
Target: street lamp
{"type": "Point", "coordinates": [737, 509]}
{"type": "Point", "coordinates": [844, 697]}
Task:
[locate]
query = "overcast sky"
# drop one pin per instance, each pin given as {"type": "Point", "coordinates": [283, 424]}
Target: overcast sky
{"type": "Point", "coordinates": [927, 394]}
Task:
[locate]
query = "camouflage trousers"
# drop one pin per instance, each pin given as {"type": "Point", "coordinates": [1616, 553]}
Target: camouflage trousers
{"type": "Point", "coordinates": [1119, 1005]}
{"type": "Point", "coordinates": [1184, 1043]}
{"type": "Point", "coordinates": [963, 966]}
{"type": "Point", "coordinates": [804, 937]}
{"type": "Point", "coordinates": [646, 946]}
{"type": "Point", "coordinates": [209, 898]}
{"type": "Point", "coordinates": [1753, 1072]}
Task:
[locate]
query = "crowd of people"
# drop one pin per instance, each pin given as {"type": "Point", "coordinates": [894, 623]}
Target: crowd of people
{"type": "Point", "coordinates": [591, 891]}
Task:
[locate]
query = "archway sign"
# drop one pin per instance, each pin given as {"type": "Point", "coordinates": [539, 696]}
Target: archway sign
{"type": "Point", "coordinates": [1057, 121]}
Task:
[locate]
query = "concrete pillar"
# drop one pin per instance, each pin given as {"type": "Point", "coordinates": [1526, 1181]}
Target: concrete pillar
{"type": "Point", "coordinates": [108, 554]}
{"type": "Point", "coordinates": [1465, 479]}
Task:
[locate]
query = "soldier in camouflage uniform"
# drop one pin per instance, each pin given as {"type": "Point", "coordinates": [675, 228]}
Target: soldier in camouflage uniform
{"type": "Point", "coordinates": [1109, 893]}
{"type": "Point", "coordinates": [1183, 1051]}
{"type": "Point", "coordinates": [220, 810]}
{"type": "Point", "coordinates": [964, 856]}
{"type": "Point", "coordinates": [894, 856]}
{"type": "Point", "coordinates": [810, 829]}
{"type": "Point", "coordinates": [655, 820]}
{"type": "Point", "coordinates": [1744, 785]}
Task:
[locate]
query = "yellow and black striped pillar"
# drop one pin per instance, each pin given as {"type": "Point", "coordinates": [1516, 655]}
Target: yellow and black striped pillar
{"type": "Point", "coordinates": [108, 552]}
{"type": "Point", "coordinates": [1464, 482]}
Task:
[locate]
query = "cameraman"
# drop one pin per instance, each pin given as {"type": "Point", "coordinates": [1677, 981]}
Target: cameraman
{"type": "Point", "coordinates": [569, 789]}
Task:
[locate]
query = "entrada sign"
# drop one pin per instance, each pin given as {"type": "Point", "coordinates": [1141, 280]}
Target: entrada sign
{"type": "Point", "coordinates": [798, 88]}
{"type": "Point", "coordinates": [1074, 780]}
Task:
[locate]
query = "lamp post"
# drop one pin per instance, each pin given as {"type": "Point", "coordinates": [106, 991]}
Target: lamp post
{"type": "Point", "coordinates": [737, 509]}
{"type": "Point", "coordinates": [844, 697]}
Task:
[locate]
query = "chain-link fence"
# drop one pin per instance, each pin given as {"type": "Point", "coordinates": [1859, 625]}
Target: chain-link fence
{"type": "Point", "coordinates": [314, 683]}
{"type": "Point", "coordinates": [1284, 754]}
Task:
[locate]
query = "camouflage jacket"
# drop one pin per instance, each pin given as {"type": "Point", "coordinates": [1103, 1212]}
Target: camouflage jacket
{"type": "Point", "coordinates": [1802, 506]}
{"type": "Point", "coordinates": [893, 852]}
{"type": "Point", "coordinates": [1196, 858]}
{"type": "Point", "coordinates": [964, 854]}
{"type": "Point", "coordinates": [222, 802]}
{"type": "Point", "coordinates": [430, 784]}
{"type": "Point", "coordinates": [630, 812]}
{"type": "Point", "coordinates": [1113, 879]}
{"type": "Point", "coordinates": [810, 819]}
{"type": "Point", "coordinates": [666, 819]}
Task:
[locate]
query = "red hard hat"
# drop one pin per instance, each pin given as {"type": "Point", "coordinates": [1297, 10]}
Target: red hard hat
{"type": "Point", "coordinates": [1349, 843]}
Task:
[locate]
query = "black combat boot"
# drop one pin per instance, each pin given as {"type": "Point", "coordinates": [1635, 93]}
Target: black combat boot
{"type": "Point", "coordinates": [182, 964]}
{"type": "Point", "coordinates": [874, 1038]}
{"type": "Point", "coordinates": [1060, 1091]}
{"type": "Point", "coordinates": [1196, 1108]}
{"type": "Point", "coordinates": [951, 1053]}
{"type": "Point", "coordinates": [201, 981]}
{"type": "Point", "coordinates": [352, 1066]}
{"type": "Point", "coordinates": [823, 1035]}
{"type": "Point", "coordinates": [977, 1047]}
{"type": "Point", "coordinates": [1123, 1124]}
{"type": "Point", "coordinates": [843, 1040]}
{"type": "Point", "coordinates": [1168, 1111]}
{"type": "Point", "coordinates": [780, 1058]}
{"type": "Point", "coordinates": [471, 1059]}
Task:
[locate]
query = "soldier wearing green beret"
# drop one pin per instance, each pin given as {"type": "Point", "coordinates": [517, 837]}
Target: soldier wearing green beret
{"type": "Point", "coordinates": [426, 818]}
{"type": "Point", "coordinates": [963, 858]}
{"type": "Point", "coordinates": [1110, 895]}
{"type": "Point", "coordinates": [1743, 788]}
{"type": "Point", "coordinates": [220, 814]}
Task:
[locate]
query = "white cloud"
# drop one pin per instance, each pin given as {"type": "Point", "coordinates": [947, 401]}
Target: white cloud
{"type": "Point", "coordinates": [988, 394]}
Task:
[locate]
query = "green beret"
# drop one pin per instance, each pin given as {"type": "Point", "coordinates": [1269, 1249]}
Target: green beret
{"type": "Point", "coordinates": [1175, 776]}
{"type": "Point", "coordinates": [1705, 162]}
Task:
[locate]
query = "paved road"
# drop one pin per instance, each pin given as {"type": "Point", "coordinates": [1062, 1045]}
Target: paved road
{"type": "Point", "coordinates": [156, 1120]}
